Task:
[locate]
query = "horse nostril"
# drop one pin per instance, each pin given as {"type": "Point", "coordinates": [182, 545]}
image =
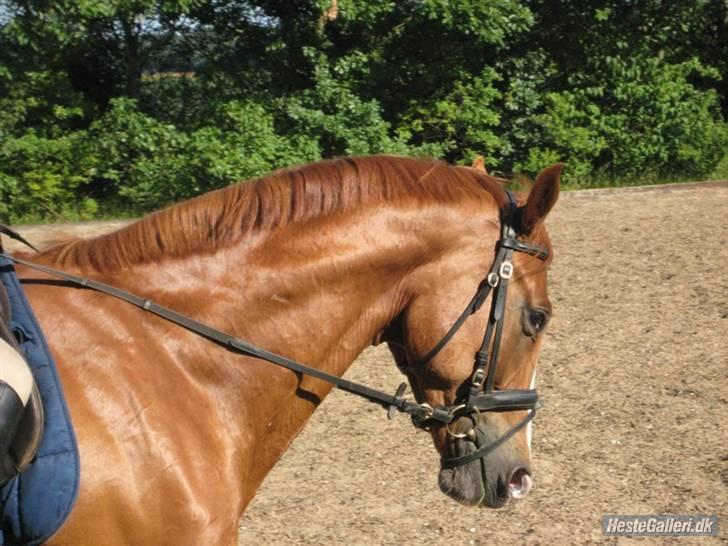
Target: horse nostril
{"type": "Point", "coordinates": [520, 483]}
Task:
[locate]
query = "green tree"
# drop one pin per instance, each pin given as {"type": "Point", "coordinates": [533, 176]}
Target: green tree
{"type": "Point", "coordinates": [103, 45]}
{"type": "Point", "coordinates": [137, 103]}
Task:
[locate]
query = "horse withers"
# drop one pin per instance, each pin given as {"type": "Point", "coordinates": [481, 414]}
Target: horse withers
{"type": "Point", "coordinates": [315, 263]}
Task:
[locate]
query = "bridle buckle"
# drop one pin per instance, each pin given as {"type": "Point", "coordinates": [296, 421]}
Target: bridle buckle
{"type": "Point", "coordinates": [478, 378]}
{"type": "Point", "coordinates": [506, 270]}
{"type": "Point", "coordinates": [493, 279]}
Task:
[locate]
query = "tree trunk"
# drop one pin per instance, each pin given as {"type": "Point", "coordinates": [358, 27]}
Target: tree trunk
{"type": "Point", "coordinates": [132, 57]}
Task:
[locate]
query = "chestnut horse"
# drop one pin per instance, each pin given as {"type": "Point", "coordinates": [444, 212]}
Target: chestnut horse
{"type": "Point", "coordinates": [315, 263]}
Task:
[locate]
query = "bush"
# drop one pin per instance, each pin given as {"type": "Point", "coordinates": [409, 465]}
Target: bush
{"type": "Point", "coordinates": [340, 121]}
{"type": "Point", "coordinates": [151, 164]}
{"type": "Point", "coordinates": [632, 119]}
{"type": "Point", "coordinates": [657, 121]}
{"type": "Point", "coordinates": [130, 161]}
{"type": "Point", "coordinates": [44, 178]}
{"type": "Point", "coordinates": [462, 123]}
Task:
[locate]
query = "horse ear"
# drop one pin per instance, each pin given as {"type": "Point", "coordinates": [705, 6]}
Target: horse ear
{"type": "Point", "coordinates": [542, 197]}
{"type": "Point", "coordinates": [479, 164]}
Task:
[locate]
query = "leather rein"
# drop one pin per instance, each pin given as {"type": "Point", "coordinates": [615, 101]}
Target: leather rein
{"type": "Point", "coordinates": [481, 395]}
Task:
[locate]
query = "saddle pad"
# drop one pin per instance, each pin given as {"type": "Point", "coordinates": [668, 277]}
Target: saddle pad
{"type": "Point", "coordinates": [35, 504]}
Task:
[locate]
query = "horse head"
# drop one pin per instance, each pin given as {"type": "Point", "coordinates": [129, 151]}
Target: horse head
{"type": "Point", "coordinates": [444, 377]}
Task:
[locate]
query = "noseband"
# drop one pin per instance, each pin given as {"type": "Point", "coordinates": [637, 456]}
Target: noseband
{"type": "Point", "coordinates": [481, 395]}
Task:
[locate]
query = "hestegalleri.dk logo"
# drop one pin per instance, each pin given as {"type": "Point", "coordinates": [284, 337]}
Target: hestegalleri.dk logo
{"type": "Point", "coordinates": [623, 525]}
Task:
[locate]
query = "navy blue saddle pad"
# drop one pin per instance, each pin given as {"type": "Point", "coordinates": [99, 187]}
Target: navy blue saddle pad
{"type": "Point", "coordinates": [35, 504]}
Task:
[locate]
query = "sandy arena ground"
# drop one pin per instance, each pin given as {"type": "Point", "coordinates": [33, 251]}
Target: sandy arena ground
{"type": "Point", "coordinates": [633, 373]}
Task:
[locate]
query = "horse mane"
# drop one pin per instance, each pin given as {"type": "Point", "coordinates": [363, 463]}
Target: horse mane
{"type": "Point", "coordinates": [223, 217]}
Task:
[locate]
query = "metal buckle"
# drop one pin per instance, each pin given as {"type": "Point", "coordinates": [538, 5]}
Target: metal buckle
{"type": "Point", "coordinates": [493, 279]}
{"type": "Point", "coordinates": [506, 270]}
{"type": "Point", "coordinates": [420, 421]}
{"type": "Point", "coordinates": [478, 378]}
{"type": "Point", "coordinates": [428, 410]}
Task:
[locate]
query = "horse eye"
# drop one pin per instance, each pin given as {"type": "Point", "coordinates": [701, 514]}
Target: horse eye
{"type": "Point", "coordinates": [537, 320]}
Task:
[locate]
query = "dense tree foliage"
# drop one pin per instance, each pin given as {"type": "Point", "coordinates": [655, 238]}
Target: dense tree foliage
{"type": "Point", "coordinates": [109, 106]}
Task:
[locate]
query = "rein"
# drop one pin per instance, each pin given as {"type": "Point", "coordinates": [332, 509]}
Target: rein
{"type": "Point", "coordinates": [392, 402]}
{"type": "Point", "coordinates": [481, 396]}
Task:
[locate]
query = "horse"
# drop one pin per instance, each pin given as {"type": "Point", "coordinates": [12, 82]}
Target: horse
{"type": "Point", "coordinates": [315, 263]}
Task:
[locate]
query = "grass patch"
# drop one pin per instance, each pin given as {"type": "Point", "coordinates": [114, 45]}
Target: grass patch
{"type": "Point", "coordinates": [646, 179]}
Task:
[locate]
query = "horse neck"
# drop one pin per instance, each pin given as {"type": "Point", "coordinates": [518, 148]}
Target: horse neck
{"type": "Point", "coordinates": [318, 292]}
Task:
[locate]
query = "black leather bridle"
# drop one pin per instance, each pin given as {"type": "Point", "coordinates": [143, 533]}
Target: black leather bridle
{"type": "Point", "coordinates": [480, 395]}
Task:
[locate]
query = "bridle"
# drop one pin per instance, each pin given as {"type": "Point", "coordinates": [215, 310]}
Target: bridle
{"type": "Point", "coordinates": [481, 395]}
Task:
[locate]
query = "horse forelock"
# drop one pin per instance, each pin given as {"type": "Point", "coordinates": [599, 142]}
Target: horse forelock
{"type": "Point", "coordinates": [224, 217]}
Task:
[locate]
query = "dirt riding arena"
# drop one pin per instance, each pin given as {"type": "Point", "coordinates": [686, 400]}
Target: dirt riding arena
{"type": "Point", "coordinates": [634, 374]}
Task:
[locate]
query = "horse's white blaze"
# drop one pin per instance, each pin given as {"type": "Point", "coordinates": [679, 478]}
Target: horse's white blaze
{"type": "Point", "coordinates": [529, 427]}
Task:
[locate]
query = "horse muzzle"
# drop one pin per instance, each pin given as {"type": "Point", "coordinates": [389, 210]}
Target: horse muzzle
{"type": "Point", "coordinates": [491, 480]}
